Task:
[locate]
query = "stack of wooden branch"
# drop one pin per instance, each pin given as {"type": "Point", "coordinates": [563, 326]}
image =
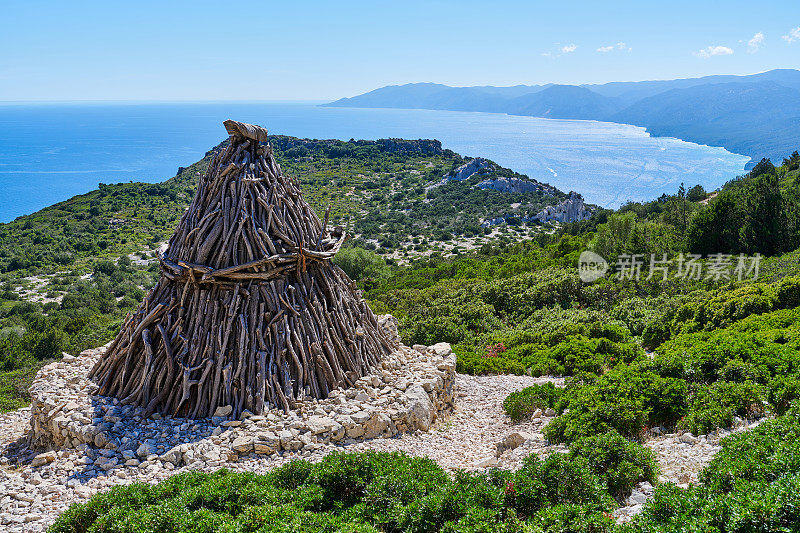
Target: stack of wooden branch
{"type": "Point", "coordinates": [249, 311]}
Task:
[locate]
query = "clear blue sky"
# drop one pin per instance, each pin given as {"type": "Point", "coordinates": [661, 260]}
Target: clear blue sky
{"type": "Point", "coordinates": [141, 50]}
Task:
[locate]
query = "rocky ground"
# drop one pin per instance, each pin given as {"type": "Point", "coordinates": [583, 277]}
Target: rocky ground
{"type": "Point", "coordinates": [35, 491]}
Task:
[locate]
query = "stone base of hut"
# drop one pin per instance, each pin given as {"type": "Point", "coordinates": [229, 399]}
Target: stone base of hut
{"type": "Point", "coordinates": [409, 390]}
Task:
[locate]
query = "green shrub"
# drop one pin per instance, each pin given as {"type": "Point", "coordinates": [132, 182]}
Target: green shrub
{"type": "Point", "coordinates": [291, 475]}
{"type": "Point", "coordinates": [752, 484]}
{"type": "Point", "coordinates": [521, 404]}
{"type": "Point", "coordinates": [553, 341]}
{"type": "Point", "coordinates": [537, 359]}
{"type": "Point", "coordinates": [627, 399]}
{"type": "Point", "coordinates": [637, 313]}
{"type": "Point", "coordinates": [787, 293]}
{"type": "Point", "coordinates": [565, 518]}
{"type": "Point", "coordinates": [361, 264]}
{"type": "Point", "coordinates": [715, 405]}
{"type": "Point", "coordinates": [762, 454]}
{"type": "Point", "coordinates": [620, 463]}
{"type": "Point", "coordinates": [732, 305]}
{"type": "Point", "coordinates": [673, 510]}
{"type": "Point", "coordinates": [469, 362]}
{"type": "Point", "coordinates": [703, 419]}
{"type": "Point", "coordinates": [706, 357]}
{"type": "Point", "coordinates": [559, 479]}
{"type": "Point", "coordinates": [480, 520]}
{"type": "Point", "coordinates": [709, 310]}
{"type": "Point", "coordinates": [782, 391]}
{"type": "Point", "coordinates": [525, 293]}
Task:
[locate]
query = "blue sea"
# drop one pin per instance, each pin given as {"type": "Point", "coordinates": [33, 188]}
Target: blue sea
{"type": "Point", "coordinates": [51, 152]}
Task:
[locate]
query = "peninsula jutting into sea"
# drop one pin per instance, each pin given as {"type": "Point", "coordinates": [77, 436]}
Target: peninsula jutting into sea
{"type": "Point", "coordinates": [756, 115]}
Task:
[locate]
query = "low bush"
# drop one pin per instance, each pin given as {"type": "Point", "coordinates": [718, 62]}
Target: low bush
{"type": "Point", "coordinates": [566, 518]}
{"type": "Point", "coordinates": [710, 310]}
{"type": "Point", "coordinates": [470, 362]}
{"type": "Point", "coordinates": [358, 493]}
{"type": "Point", "coordinates": [620, 463]}
{"type": "Point", "coordinates": [703, 379]}
{"type": "Point", "coordinates": [762, 454]}
{"type": "Point", "coordinates": [708, 357]}
{"type": "Point", "coordinates": [752, 484]}
{"type": "Point", "coordinates": [782, 391]}
{"type": "Point", "coordinates": [627, 400]}
{"type": "Point", "coordinates": [555, 344]}
{"type": "Point", "coordinates": [715, 405]}
{"type": "Point", "coordinates": [787, 293]}
{"type": "Point", "coordinates": [522, 404]}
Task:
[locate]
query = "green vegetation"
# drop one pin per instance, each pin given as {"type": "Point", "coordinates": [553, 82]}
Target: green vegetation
{"type": "Point", "coordinates": [749, 215]}
{"type": "Point", "coordinates": [620, 463]}
{"type": "Point", "coordinates": [371, 491]}
{"type": "Point", "coordinates": [377, 188]}
{"type": "Point", "coordinates": [74, 255]}
{"type": "Point", "coordinates": [753, 484]}
{"type": "Point", "coordinates": [522, 404]}
{"type": "Point", "coordinates": [88, 315]}
{"type": "Point", "coordinates": [362, 265]}
{"type": "Point", "coordinates": [639, 352]}
{"type": "Point", "coordinates": [723, 347]}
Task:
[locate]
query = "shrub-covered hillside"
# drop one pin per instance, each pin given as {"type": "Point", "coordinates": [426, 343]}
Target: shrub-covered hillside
{"type": "Point", "coordinates": [666, 350]}
{"type": "Point", "coordinates": [522, 307]}
{"type": "Point", "coordinates": [377, 188]}
{"type": "Point", "coordinates": [64, 288]}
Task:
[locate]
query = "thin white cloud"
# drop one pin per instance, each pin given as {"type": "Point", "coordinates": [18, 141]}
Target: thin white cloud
{"type": "Point", "coordinates": [569, 48]}
{"type": "Point", "coordinates": [612, 47]}
{"type": "Point", "coordinates": [754, 44]}
{"type": "Point", "coordinates": [710, 51]}
{"type": "Point", "coordinates": [793, 35]}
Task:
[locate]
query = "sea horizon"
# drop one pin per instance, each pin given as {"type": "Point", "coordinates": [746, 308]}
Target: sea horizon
{"type": "Point", "coordinates": [84, 143]}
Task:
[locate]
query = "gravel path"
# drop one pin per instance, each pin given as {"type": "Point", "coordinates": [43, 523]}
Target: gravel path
{"type": "Point", "coordinates": [32, 497]}
{"type": "Point", "coordinates": [467, 439]}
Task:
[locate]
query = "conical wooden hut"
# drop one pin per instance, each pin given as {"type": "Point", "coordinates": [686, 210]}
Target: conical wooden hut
{"type": "Point", "coordinates": [249, 311]}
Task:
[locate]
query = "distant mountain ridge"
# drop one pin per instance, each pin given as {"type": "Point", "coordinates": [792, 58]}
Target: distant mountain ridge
{"type": "Point", "coordinates": [756, 115]}
{"type": "Point", "coordinates": [564, 101]}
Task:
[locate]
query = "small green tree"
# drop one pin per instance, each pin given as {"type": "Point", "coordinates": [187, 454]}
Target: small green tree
{"type": "Point", "coordinates": [359, 264]}
{"type": "Point", "coordinates": [696, 194]}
